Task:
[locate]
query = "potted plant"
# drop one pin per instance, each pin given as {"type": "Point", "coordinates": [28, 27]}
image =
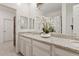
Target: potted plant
{"type": "Point", "coordinates": [47, 29]}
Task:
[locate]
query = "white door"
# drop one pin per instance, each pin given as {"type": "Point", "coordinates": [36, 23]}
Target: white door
{"type": "Point", "coordinates": [76, 19]}
{"type": "Point", "coordinates": [8, 29]}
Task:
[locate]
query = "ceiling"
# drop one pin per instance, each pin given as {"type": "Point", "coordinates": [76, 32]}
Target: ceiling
{"type": "Point", "coordinates": [44, 7]}
{"type": "Point", "coordinates": [10, 5]}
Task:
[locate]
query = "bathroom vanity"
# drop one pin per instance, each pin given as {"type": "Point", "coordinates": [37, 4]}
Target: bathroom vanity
{"type": "Point", "coordinates": [31, 44]}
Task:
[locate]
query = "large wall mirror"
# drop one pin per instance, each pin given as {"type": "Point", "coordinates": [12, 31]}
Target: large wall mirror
{"type": "Point", "coordinates": [64, 16]}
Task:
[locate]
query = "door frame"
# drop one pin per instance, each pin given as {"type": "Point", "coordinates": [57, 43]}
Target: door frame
{"type": "Point", "coordinates": [14, 29]}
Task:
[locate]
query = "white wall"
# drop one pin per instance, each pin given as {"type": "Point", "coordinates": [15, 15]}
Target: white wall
{"type": "Point", "coordinates": [5, 13]}
{"type": "Point", "coordinates": [76, 20]}
{"type": "Point", "coordinates": [64, 18]}
{"type": "Point", "coordinates": [67, 15]}
{"type": "Point", "coordinates": [69, 18]}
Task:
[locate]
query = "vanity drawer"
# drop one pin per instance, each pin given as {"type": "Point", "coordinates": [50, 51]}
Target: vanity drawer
{"type": "Point", "coordinates": [41, 49]}
{"type": "Point", "coordinates": [64, 52]}
{"type": "Point", "coordinates": [41, 45]}
{"type": "Point", "coordinates": [40, 52]}
{"type": "Point", "coordinates": [26, 39]}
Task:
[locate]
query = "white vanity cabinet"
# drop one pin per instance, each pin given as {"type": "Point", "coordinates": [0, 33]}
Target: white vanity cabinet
{"type": "Point", "coordinates": [29, 46]}
{"type": "Point", "coordinates": [41, 49]}
{"type": "Point", "coordinates": [25, 46]}
{"type": "Point", "coordinates": [64, 52]}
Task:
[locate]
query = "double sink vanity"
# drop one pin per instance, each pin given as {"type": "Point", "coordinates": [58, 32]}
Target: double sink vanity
{"type": "Point", "coordinates": [32, 44]}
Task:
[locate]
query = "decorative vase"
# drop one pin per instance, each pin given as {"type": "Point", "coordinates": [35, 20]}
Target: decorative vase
{"type": "Point", "coordinates": [45, 35]}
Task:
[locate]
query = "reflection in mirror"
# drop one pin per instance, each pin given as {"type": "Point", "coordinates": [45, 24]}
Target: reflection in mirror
{"type": "Point", "coordinates": [56, 22]}
{"type": "Point", "coordinates": [23, 22]}
{"type": "Point", "coordinates": [38, 23]}
{"type": "Point", "coordinates": [31, 23]}
{"type": "Point", "coordinates": [54, 12]}
{"type": "Point", "coordinates": [63, 15]}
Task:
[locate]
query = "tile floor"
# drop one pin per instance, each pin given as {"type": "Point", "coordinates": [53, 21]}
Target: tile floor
{"type": "Point", "coordinates": [7, 49]}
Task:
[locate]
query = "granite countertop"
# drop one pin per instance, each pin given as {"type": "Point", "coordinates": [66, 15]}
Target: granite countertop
{"type": "Point", "coordinates": [70, 44]}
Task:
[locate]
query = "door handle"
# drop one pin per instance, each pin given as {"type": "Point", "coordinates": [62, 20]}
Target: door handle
{"type": "Point", "coordinates": [72, 27]}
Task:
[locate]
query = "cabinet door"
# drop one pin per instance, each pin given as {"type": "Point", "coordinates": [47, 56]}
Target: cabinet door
{"type": "Point", "coordinates": [53, 50]}
{"type": "Point", "coordinates": [28, 50]}
{"type": "Point", "coordinates": [41, 49]}
{"type": "Point", "coordinates": [25, 46]}
{"type": "Point", "coordinates": [22, 45]}
{"type": "Point", "coordinates": [64, 52]}
{"type": "Point", "coordinates": [28, 47]}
